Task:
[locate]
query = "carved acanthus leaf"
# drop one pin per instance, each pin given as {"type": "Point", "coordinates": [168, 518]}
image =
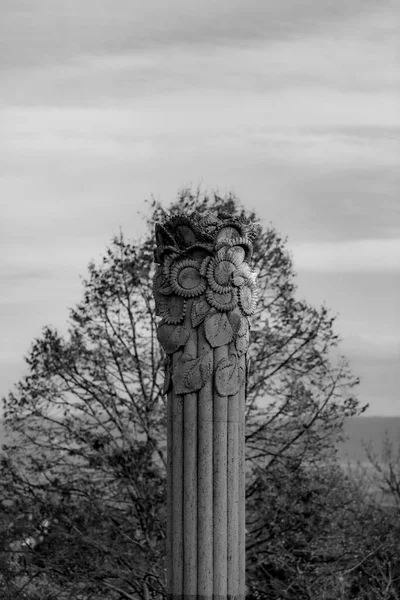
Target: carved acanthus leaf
{"type": "Point", "coordinates": [247, 297]}
{"type": "Point", "coordinates": [191, 374]}
{"type": "Point", "coordinates": [242, 343]}
{"type": "Point", "coordinates": [172, 337]}
{"type": "Point", "coordinates": [229, 376]}
{"type": "Point", "coordinates": [218, 330]}
{"type": "Point", "coordinates": [203, 268]}
{"type": "Point", "coordinates": [235, 319]}
{"type": "Point", "coordinates": [200, 310]}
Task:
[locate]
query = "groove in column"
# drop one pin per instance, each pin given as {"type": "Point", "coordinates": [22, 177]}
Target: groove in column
{"type": "Point", "coordinates": [242, 488]}
{"type": "Point", "coordinates": [205, 481]}
{"type": "Point", "coordinates": [190, 480]}
{"type": "Point", "coordinates": [233, 496]}
{"type": "Point", "coordinates": [169, 540]}
{"type": "Point", "coordinates": [177, 484]}
{"type": "Point", "coordinates": [220, 486]}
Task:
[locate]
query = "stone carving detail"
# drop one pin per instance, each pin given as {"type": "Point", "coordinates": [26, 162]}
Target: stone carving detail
{"type": "Point", "coordinates": [203, 280]}
{"type": "Point", "coordinates": [190, 374]}
{"type": "Point", "coordinates": [229, 376]}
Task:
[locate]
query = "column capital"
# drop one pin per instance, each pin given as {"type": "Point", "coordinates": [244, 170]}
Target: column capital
{"type": "Point", "coordinates": [203, 278]}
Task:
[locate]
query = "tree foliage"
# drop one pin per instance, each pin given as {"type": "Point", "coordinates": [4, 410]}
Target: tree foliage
{"type": "Point", "coordinates": [86, 426]}
{"type": "Point", "coordinates": [317, 533]}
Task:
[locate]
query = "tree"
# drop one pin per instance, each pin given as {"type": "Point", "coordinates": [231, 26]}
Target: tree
{"type": "Point", "coordinates": [383, 470]}
{"type": "Point", "coordinates": [87, 424]}
{"type": "Point", "coordinates": [318, 534]}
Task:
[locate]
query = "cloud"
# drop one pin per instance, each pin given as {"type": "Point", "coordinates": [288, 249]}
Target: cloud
{"type": "Point", "coordinates": [337, 147]}
{"type": "Point", "coordinates": [49, 31]}
{"type": "Point", "coordinates": [326, 203]}
{"type": "Point", "coordinates": [380, 380]}
{"type": "Point", "coordinates": [150, 124]}
{"type": "Point", "coordinates": [371, 346]}
{"type": "Point", "coordinates": [76, 145]}
{"type": "Point", "coordinates": [358, 56]}
{"type": "Point", "coordinates": [354, 255]}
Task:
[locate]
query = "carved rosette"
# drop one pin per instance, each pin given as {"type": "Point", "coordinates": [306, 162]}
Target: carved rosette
{"type": "Point", "coordinates": [203, 279]}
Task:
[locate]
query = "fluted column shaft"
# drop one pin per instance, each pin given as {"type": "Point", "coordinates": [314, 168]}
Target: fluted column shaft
{"type": "Point", "coordinates": [205, 291]}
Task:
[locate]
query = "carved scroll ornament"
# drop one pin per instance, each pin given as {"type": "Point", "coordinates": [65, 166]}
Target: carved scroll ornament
{"type": "Point", "coordinates": [203, 279]}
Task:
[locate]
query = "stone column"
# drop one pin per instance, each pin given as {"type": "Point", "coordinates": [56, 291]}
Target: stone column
{"type": "Point", "coordinates": [205, 292]}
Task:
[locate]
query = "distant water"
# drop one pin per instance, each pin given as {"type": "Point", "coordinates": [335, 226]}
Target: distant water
{"type": "Point", "coordinates": [370, 431]}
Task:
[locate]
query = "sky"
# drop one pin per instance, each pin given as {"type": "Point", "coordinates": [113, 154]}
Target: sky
{"type": "Point", "coordinates": [294, 106]}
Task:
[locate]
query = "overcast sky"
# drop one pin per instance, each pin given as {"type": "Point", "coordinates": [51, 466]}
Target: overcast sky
{"type": "Point", "coordinates": [292, 105]}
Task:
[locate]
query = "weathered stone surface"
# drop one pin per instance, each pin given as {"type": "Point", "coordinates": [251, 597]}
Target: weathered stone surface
{"type": "Point", "coordinates": [204, 290]}
{"type": "Point", "coordinates": [200, 309]}
{"type": "Point", "coordinates": [172, 308]}
{"type": "Point", "coordinates": [242, 344]}
{"type": "Point", "coordinates": [172, 337]}
{"type": "Point", "coordinates": [229, 376]}
{"type": "Point", "coordinates": [191, 374]}
{"type": "Point", "coordinates": [186, 279]}
{"type": "Point", "coordinates": [242, 337]}
{"type": "Point", "coordinates": [228, 233]}
{"type": "Point", "coordinates": [247, 298]}
{"type": "Point", "coordinates": [236, 320]}
{"type": "Point", "coordinates": [204, 261]}
{"type": "Point", "coordinates": [218, 330]}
